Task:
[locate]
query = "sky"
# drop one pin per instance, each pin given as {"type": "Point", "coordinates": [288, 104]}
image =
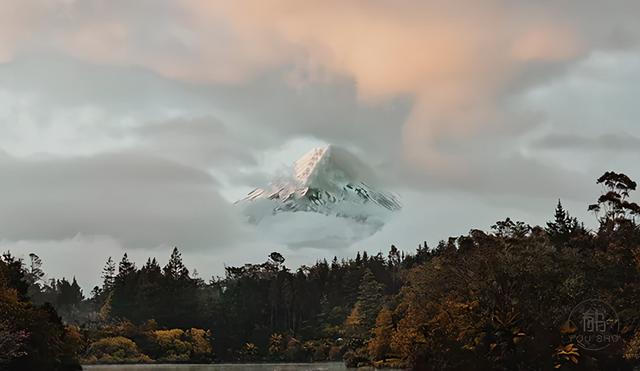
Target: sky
{"type": "Point", "coordinates": [135, 125]}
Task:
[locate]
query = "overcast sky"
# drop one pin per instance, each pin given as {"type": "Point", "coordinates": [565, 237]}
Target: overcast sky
{"type": "Point", "coordinates": [134, 125]}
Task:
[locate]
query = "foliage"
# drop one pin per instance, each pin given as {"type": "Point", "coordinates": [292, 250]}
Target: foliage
{"type": "Point", "coordinates": [173, 348]}
{"type": "Point", "coordinates": [12, 343]}
{"type": "Point", "coordinates": [32, 337]}
{"type": "Point", "coordinates": [200, 341]}
{"type": "Point", "coordinates": [379, 346]}
{"type": "Point", "coordinates": [501, 300]}
{"type": "Point", "coordinates": [176, 345]}
{"type": "Point", "coordinates": [116, 349]}
{"type": "Point", "coordinates": [491, 300]}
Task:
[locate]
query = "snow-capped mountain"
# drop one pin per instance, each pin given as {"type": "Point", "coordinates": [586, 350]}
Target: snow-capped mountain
{"type": "Point", "coordinates": [328, 181]}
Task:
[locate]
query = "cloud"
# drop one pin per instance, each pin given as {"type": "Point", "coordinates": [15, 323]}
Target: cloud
{"type": "Point", "coordinates": [511, 174]}
{"type": "Point", "coordinates": [604, 142]}
{"type": "Point", "coordinates": [141, 201]}
{"type": "Point", "coordinates": [115, 114]}
{"type": "Point", "coordinates": [457, 60]}
{"type": "Point", "coordinates": [203, 142]}
{"type": "Point", "coordinates": [78, 108]}
{"type": "Point", "coordinates": [460, 65]}
{"type": "Point", "coordinates": [180, 123]}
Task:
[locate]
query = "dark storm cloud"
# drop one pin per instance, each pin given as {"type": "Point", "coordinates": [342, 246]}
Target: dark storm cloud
{"type": "Point", "coordinates": [142, 201]}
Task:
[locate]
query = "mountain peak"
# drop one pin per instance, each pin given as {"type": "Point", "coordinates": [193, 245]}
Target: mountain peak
{"type": "Point", "coordinates": [329, 195]}
{"type": "Point", "coordinates": [327, 180]}
{"type": "Point", "coordinates": [305, 167]}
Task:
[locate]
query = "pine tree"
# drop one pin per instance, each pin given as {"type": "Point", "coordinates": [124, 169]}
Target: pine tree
{"type": "Point", "coordinates": [370, 297]}
{"type": "Point", "coordinates": [563, 227]}
{"type": "Point", "coordinates": [364, 312]}
{"type": "Point", "coordinates": [126, 267]}
{"type": "Point", "coordinates": [69, 293]}
{"type": "Point", "coordinates": [123, 296]}
{"type": "Point", "coordinates": [35, 273]}
{"type": "Point", "coordinates": [76, 292]}
{"type": "Point", "coordinates": [34, 276]}
{"type": "Point", "coordinates": [175, 269]}
{"type": "Point", "coordinates": [149, 290]}
{"type": "Point", "coordinates": [108, 275]}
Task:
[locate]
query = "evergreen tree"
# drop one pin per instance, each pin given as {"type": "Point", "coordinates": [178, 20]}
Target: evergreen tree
{"type": "Point", "coordinates": [563, 227]}
{"type": "Point", "coordinates": [31, 337]}
{"type": "Point", "coordinates": [123, 296]}
{"type": "Point", "coordinates": [150, 291]}
{"type": "Point", "coordinates": [175, 269]}
{"type": "Point", "coordinates": [76, 292]}
{"type": "Point", "coordinates": [365, 310]}
{"type": "Point", "coordinates": [69, 293]}
{"type": "Point", "coordinates": [125, 268]}
{"type": "Point", "coordinates": [370, 297]}
{"type": "Point", "coordinates": [108, 275]}
{"type": "Point", "coordinates": [34, 277]}
{"type": "Point", "coordinates": [35, 273]}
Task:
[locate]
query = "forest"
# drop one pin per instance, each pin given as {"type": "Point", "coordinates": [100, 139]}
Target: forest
{"type": "Point", "coordinates": [488, 300]}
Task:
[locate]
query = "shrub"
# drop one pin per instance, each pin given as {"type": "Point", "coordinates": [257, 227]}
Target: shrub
{"type": "Point", "coordinates": [200, 344]}
{"type": "Point", "coordinates": [118, 349]}
{"type": "Point", "coordinates": [173, 346]}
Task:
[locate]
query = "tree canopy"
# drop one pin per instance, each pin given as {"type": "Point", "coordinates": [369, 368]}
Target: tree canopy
{"type": "Point", "coordinates": [491, 300]}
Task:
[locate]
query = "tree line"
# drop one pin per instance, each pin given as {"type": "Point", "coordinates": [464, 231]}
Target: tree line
{"type": "Point", "coordinates": [495, 300]}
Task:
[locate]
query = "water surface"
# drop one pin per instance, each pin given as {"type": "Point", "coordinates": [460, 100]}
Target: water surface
{"type": "Point", "coordinates": [333, 366]}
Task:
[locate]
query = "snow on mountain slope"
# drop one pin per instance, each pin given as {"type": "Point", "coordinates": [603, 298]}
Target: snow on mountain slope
{"type": "Point", "coordinates": [334, 185]}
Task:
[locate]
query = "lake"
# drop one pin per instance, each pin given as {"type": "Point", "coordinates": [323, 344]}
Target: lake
{"type": "Point", "coordinates": [333, 366]}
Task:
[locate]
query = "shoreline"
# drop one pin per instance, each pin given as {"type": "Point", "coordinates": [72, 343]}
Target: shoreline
{"type": "Point", "coordinates": [206, 365]}
{"type": "Point", "coordinates": [316, 366]}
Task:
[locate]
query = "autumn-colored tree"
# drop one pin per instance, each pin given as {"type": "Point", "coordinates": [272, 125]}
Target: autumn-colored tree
{"type": "Point", "coordinates": [200, 340]}
{"type": "Point", "coordinates": [276, 346]}
{"type": "Point", "coordinates": [363, 315]}
{"type": "Point", "coordinates": [116, 350]}
{"type": "Point", "coordinates": [12, 343]}
{"type": "Point", "coordinates": [494, 300]}
{"type": "Point", "coordinates": [31, 337]}
{"type": "Point", "coordinates": [380, 344]}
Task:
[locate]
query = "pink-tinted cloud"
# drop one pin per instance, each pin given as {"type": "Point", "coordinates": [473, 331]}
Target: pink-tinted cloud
{"type": "Point", "coordinates": [458, 61]}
